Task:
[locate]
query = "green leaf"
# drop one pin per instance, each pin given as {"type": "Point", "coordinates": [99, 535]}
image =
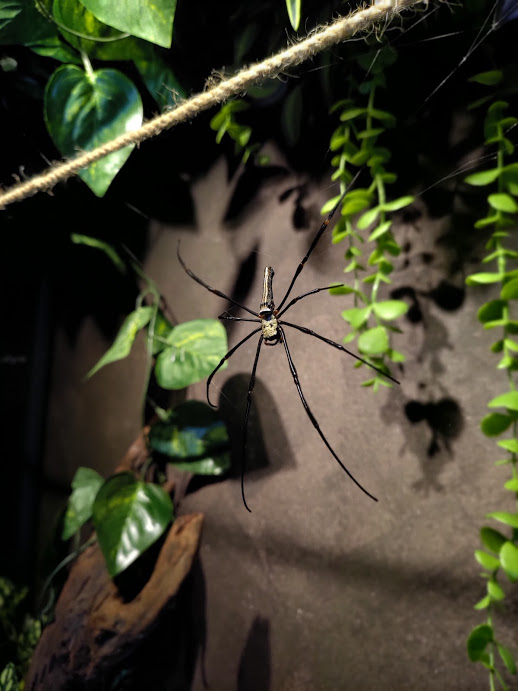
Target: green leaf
{"type": "Point", "coordinates": [396, 204]}
{"type": "Point", "coordinates": [510, 445]}
{"type": "Point", "coordinates": [352, 113]}
{"type": "Point", "coordinates": [509, 560]}
{"type": "Point", "coordinates": [374, 341]}
{"type": "Point", "coordinates": [128, 517]}
{"type": "Point", "coordinates": [484, 278]}
{"type": "Point", "coordinates": [195, 438]}
{"type": "Point", "coordinates": [494, 424]}
{"type": "Point", "coordinates": [194, 351]}
{"type": "Point", "coordinates": [9, 680]}
{"type": "Point", "coordinates": [368, 218]}
{"type": "Point", "coordinates": [152, 21]}
{"type": "Point", "coordinates": [354, 205]}
{"type": "Point", "coordinates": [492, 539]}
{"type": "Point", "coordinates": [490, 78]}
{"type": "Point", "coordinates": [495, 591]}
{"type": "Point", "coordinates": [369, 133]}
{"type": "Point", "coordinates": [502, 202]}
{"type": "Point", "coordinates": [124, 340]}
{"type": "Point", "coordinates": [484, 177]}
{"type": "Point", "coordinates": [507, 400]}
{"type": "Point", "coordinates": [512, 484]}
{"type": "Point", "coordinates": [22, 23]}
{"type": "Point", "coordinates": [507, 658]}
{"type": "Point", "coordinates": [486, 560]}
{"type": "Point", "coordinates": [54, 47]}
{"type": "Point", "coordinates": [85, 485]}
{"type": "Point", "coordinates": [87, 34]}
{"type": "Point", "coordinates": [357, 316]}
{"type": "Point", "coordinates": [105, 247]}
{"type": "Point", "coordinates": [510, 290]}
{"type": "Point", "coordinates": [478, 639]}
{"type": "Point", "coordinates": [293, 7]}
{"type": "Point", "coordinates": [160, 80]}
{"type": "Point", "coordinates": [388, 119]}
{"type": "Point", "coordinates": [380, 230]}
{"type": "Point", "coordinates": [341, 290]}
{"type": "Point", "coordinates": [491, 311]}
{"type": "Point", "coordinates": [484, 603]}
{"type": "Point", "coordinates": [390, 309]}
{"type": "Point", "coordinates": [83, 112]}
{"type": "Point", "coordinates": [510, 519]}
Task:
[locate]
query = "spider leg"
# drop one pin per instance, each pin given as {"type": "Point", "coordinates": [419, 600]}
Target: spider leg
{"type": "Point", "coordinates": [340, 347]}
{"type": "Point", "coordinates": [310, 292]}
{"type": "Point", "coordinates": [317, 238]}
{"type": "Point", "coordinates": [231, 317]}
{"type": "Point", "coordinates": [247, 413]}
{"type": "Point", "coordinates": [229, 354]}
{"type": "Point", "coordinates": [312, 417]}
{"type": "Point", "coordinates": [207, 286]}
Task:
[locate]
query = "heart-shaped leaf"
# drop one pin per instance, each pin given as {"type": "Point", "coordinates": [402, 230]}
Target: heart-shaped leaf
{"type": "Point", "coordinates": [128, 517]}
{"type": "Point", "coordinates": [85, 485]}
{"type": "Point", "coordinates": [194, 351]}
{"type": "Point", "coordinates": [124, 340]}
{"type": "Point", "coordinates": [152, 21]}
{"type": "Point", "coordinates": [83, 111]}
{"type": "Point", "coordinates": [195, 439]}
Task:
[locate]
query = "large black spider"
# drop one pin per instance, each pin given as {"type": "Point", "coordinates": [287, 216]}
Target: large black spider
{"type": "Point", "coordinates": [272, 333]}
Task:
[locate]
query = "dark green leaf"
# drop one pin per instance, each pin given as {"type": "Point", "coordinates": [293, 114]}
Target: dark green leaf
{"type": "Point", "coordinates": [510, 519]}
{"type": "Point", "coordinates": [491, 311]}
{"type": "Point", "coordinates": [195, 438]}
{"type": "Point", "coordinates": [494, 424]}
{"type": "Point", "coordinates": [352, 113]}
{"type": "Point", "coordinates": [478, 639]}
{"type": "Point", "coordinates": [160, 80]}
{"type": "Point", "coordinates": [510, 290]}
{"type": "Point", "coordinates": [390, 309]}
{"type": "Point", "coordinates": [54, 47]}
{"type": "Point", "coordinates": [507, 658]}
{"type": "Point", "coordinates": [374, 341]}
{"type": "Point", "coordinates": [369, 133]}
{"type": "Point", "coordinates": [22, 23]}
{"type": "Point", "coordinates": [124, 340]}
{"type": "Point", "coordinates": [152, 21]}
{"type": "Point", "coordinates": [194, 351]}
{"type": "Point", "coordinates": [293, 7]}
{"type": "Point", "coordinates": [84, 111]}
{"type": "Point", "coordinates": [490, 78]}
{"type": "Point", "coordinates": [85, 485]}
{"type": "Point", "coordinates": [86, 33]}
{"type": "Point", "coordinates": [492, 539]}
{"type": "Point", "coordinates": [509, 559]}
{"type": "Point", "coordinates": [486, 560]}
{"type": "Point", "coordinates": [128, 517]}
{"type": "Point", "coordinates": [388, 119]}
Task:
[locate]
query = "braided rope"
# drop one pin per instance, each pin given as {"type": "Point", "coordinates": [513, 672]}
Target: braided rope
{"type": "Point", "coordinates": [315, 43]}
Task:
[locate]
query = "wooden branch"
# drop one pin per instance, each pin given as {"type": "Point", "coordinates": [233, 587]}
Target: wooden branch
{"type": "Point", "coordinates": [95, 630]}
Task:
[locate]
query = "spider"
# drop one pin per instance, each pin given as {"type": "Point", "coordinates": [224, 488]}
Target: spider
{"type": "Point", "coordinates": [272, 333]}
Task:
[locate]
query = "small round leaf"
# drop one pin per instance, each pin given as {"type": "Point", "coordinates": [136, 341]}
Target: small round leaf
{"type": "Point", "coordinates": [374, 341]}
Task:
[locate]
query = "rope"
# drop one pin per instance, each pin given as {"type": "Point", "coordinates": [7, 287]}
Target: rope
{"type": "Point", "coordinates": [315, 43]}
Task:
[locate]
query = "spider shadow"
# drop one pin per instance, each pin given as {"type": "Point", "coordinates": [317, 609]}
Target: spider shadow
{"type": "Point", "coordinates": [265, 432]}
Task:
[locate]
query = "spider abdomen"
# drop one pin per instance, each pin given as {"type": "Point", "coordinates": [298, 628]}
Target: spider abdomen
{"type": "Point", "coordinates": [270, 329]}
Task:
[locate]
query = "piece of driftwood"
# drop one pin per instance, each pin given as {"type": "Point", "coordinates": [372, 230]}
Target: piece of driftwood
{"type": "Point", "coordinates": [97, 627]}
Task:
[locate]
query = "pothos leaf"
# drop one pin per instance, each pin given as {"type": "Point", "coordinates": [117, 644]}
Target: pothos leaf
{"type": "Point", "coordinates": [124, 340]}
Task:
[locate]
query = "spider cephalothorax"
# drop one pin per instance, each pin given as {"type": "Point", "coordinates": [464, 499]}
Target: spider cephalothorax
{"type": "Point", "coordinates": [271, 333]}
